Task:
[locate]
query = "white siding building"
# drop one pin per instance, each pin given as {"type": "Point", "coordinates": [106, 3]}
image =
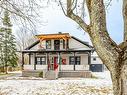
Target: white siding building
{"type": "Point", "coordinates": [58, 52]}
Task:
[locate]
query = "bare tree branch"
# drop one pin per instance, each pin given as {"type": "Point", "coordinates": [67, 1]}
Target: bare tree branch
{"type": "Point", "coordinates": [75, 17]}
{"type": "Point", "coordinates": [125, 19]}
{"type": "Point", "coordinates": [62, 8]}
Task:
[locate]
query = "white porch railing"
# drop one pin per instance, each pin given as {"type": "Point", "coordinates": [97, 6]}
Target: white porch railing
{"type": "Point", "coordinates": [62, 67]}
{"type": "Point", "coordinates": [81, 67]}
{"type": "Point", "coordinates": [38, 67]}
{"type": "Point", "coordinates": [28, 67]}
{"type": "Point", "coordinates": [66, 67]}
{"type": "Point", "coordinates": [41, 67]}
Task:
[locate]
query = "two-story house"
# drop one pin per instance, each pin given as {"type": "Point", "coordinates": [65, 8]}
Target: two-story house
{"type": "Point", "coordinates": [60, 52]}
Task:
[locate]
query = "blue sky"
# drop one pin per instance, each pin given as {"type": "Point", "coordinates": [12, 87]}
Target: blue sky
{"type": "Point", "coordinates": [115, 21]}
{"type": "Point", "coordinates": [57, 22]}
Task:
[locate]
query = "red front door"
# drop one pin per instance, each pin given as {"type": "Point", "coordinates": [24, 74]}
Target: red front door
{"type": "Point", "coordinates": [55, 63]}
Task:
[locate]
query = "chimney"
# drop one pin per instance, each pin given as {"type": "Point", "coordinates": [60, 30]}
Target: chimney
{"type": "Point", "coordinates": [59, 32]}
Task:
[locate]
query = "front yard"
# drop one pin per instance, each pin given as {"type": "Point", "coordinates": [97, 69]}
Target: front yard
{"type": "Point", "coordinates": [63, 86]}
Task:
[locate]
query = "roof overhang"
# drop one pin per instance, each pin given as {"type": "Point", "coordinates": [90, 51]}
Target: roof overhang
{"type": "Point", "coordinates": [53, 51]}
{"type": "Point", "coordinates": [54, 36]}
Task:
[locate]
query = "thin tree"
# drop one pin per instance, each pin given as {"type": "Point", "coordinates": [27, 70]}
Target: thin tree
{"type": "Point", "coordinates": [8, 43]}
{"type": "Point", "coordinates": [1, 52]}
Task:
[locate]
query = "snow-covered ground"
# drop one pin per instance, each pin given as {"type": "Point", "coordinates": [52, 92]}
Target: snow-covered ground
{"type": "Point", "coordinates": [63, 86]}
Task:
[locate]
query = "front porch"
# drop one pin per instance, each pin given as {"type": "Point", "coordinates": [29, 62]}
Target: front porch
{"type": "Point", "coordinates": [71, 63]}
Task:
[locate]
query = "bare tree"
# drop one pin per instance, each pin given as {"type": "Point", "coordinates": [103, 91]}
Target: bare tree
{"type": "Point", "coordinates": [113, 56]}
{"type": "Point", "coordinates": [22, 12]}
{"type": "Point", "coordinates": [24, 38]}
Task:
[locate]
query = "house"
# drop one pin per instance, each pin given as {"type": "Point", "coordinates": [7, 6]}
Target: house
{"type": "Point", "coordinates": [66, 54]}
{"type": "Point", "coordinates": [96, 63]}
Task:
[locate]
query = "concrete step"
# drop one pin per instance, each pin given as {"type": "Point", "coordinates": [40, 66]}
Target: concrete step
{"type": "Point", "coordinates": [32, 73]}
{"type": "Point", "coordinates": [82, 74]}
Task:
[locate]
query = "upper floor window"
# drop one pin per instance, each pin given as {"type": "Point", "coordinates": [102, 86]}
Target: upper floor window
{"type": "Point", "coordinates": [48, 44]}
{"type": "Point", "coordinates": [56, 44]}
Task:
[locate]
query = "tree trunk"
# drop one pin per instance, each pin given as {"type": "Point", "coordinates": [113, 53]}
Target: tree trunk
{"type": "Point", "coordinates": [124, 73]}
{"type": "Point", "coordinates": [6, 71]}
{"type": "Point", "coordinates": [112, 55]}
{"type": "Point", "coordinates": [124, 80]}
{"type": "Point", "coordinates": [119, 81]}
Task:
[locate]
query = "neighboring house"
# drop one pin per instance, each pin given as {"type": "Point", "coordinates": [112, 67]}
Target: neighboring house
{"type": "Point", "coordinates": [60, 52]}
{"type": "Point", "coordinates": [96, 63]}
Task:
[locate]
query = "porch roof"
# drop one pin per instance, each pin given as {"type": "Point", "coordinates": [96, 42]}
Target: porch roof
{"type": "Point", "coordinates": [53, 36]}
{"type": "Point", "coordinates": [54, 51]}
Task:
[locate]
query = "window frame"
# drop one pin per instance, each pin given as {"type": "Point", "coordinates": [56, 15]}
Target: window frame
{"type": "Point", "coordinates": [40, 61]}
{"type": "Point", "coordinates": [94, 58]}
{"type": "Point", "coordinates": [55, 45]}
{"type": "Point", "coordinates": [48, 44]}
{"type": "Point", "coordinates": [76, 61]}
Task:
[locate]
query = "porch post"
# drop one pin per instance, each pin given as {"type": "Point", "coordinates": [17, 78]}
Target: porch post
{"type": "Point", "coordinates": [47, 61]}
{"type": "Point", "coordinates": [22, 61]}
{"type": "Point", "coordinates": [89, 59]}
{"type": "Point", "coordinates": [74, 61]}
{"type": "Point", "coordinates": [59, 62]}
{"type": "Point", "coordinates": [29, 58]}
{"type": "Point", "coordinates": [34, 61]}
{"type": "Point", "coordinates": [67, 44]}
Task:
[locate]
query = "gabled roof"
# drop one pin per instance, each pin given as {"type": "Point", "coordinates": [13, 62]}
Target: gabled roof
{"type": "Point", "coordinates": [32, 45]}
{"type": "Point", "coordinates": [85, 43]}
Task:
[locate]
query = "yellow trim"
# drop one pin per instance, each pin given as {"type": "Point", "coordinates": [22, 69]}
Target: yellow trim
{"type": "Point", "coordinates": [53, 36]}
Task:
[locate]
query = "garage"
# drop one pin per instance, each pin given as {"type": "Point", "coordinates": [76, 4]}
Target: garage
{"type": "Point", "coordinates": [97, 67]}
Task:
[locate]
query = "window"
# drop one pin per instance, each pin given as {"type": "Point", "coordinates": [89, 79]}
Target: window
{"type": "Point", "coordinates": [48, 44]}
{"type": "Point", "coordinates": [63, 44]}
{"type": "Point", "coordinates": [40, 60]}
{"type": "Point", "coordinates": [67, 44]}
{"type": "Point", "coordinates": [94, 59]}
{"type": "Point", "coordinates": [56, 44]}
{"type": "Point", "coordinates": [76, 60]}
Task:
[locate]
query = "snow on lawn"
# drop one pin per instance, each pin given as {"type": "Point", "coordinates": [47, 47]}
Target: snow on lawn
{"type": "Point", "coordinates": [62, 86]}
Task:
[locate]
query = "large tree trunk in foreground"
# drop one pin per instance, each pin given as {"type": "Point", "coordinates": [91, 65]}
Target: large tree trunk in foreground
{"type": "Point", "coordinates": [124, 49]}
{"type": "Point", "coordinates": [113, 56]}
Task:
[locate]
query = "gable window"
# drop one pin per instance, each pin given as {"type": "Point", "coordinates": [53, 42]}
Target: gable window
{"type": "Point", "coordinates": [48, 44]}
{"type": "Point", "coordinates": [76, 60]}
{"type": "Point", "coordinates": [40, 60]}
{"type": "Point", "coordinates": [94, 59]}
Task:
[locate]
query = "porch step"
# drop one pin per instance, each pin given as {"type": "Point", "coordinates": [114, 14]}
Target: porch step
{"type": "Point", "coordinates": [32, 73]}
{"type": "Point", "coordinates": [82, 74]}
